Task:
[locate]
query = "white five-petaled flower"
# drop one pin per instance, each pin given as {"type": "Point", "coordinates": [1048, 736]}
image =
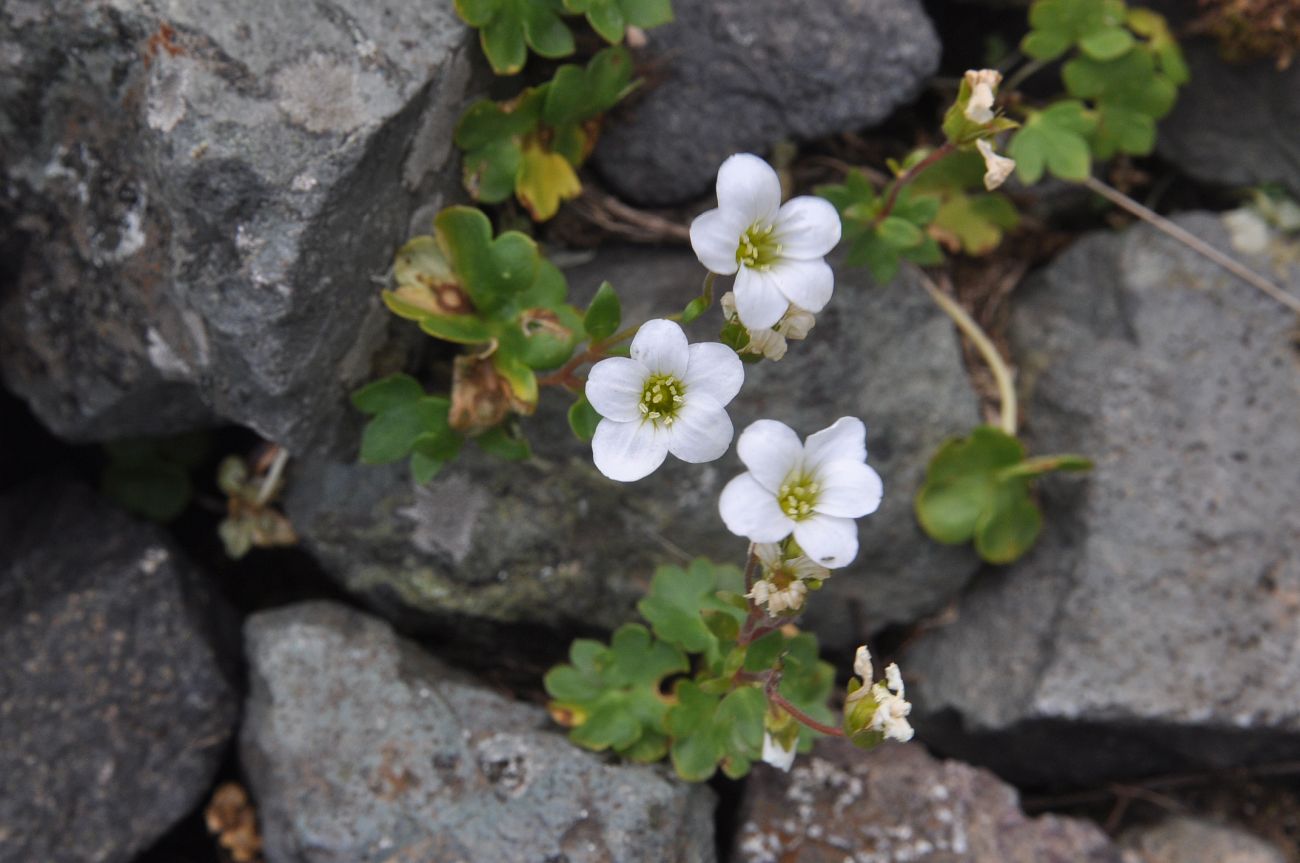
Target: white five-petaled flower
{"type": "Point", "coordinates": [776, 250]}
{"type": "Point", "coordinates": [668, 396]}
{"type": "Point", "coordinates": [814, 490]}
{"type": "Point", "coordinates": [776, 754]}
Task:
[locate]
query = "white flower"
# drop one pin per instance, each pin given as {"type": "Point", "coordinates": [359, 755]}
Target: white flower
{"type": "Point", "coordinates": [996, 168]}
{"type": "Point", "coordinates": [775, 754]}
{"type": "Point", "coordinates": [979, 108]}
{"type": "Point", "coordinates": [770, 342]}
{"type": "Point", "coordinates": [814, 490]}
{"type": "Point", "coordinates": [892, 708]}
{"type": "Point", "coordinates": [668, 397]}
{"type": "Point", "coordinates": [776, 599]}
{"type": "Point", "coordinates": [776, 250]}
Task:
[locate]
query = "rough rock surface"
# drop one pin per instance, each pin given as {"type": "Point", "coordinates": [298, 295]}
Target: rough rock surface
{"type": "Point", "coordinates": [1157, 625]}
{"type": "Point", "coordinates": [732, 76]}
{"type": "Point", "coordinates": [896, 804]}
{"type": "Point", "coordinates": [360, 747]}
{"type": "Point", "coordinates": [554, 542]}
{"type": "Point", "coordinates": [199, 197]}
{"type": "Point", "coordinates": [114, 707]}
{"type": "Point", "coordinates": [1235, 124]}
{"type": "Point", "coordinates": [1191, 840]}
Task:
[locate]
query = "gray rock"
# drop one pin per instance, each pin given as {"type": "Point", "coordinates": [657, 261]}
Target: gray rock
{"type": "Point", "coordinates": [734, 76]}
{"type": "Point", "coordinates": [1156, 627]}
{"type": "Point", "coordinates": [200, 196]}
{"type": "Point", "coordinates": [554, 542]}
{"type": "Point", "coordinates": [1235, 124]}
{"type": "Point", "coordinates": [1192, 840]}
{"type": "Point", "coordinates": [896, 804]}
{"type": "Point", "coordinates": [115, 706]}
{"type": "Point", "coordinates": [361, 748]}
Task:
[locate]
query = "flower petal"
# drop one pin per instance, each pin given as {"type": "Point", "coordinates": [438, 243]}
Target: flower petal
{"type": "Point", "coordinates": [749, 190]}
{"type": "Point", "coordinates": [807, 284]}
{"type": "Point", "coordinates": [628, 451]}
{"type": "Point", "coordinates": [770, 450]}
{"type": "Point", "coordinates": [660, 346]}
{"type": "Point", "coordinates": [845, 439]}
{"type": "Point", "coordinates": [701, 432]}
{"type": "Point", "coordinates": [849, 489]}
{"type": "Point", "coordinates": [715, 370]}
{"type": "Point", "coordinates": [807, 227]}
{"type": "Point", "coordinates": [759, 302]}
{"type": "Point", "coordinates": [751, 511]}
{"type": "Point", "coordinates": [715, 236]}
{"type": "Point", "coordinates": [832, 542]}
{"type": "Point", "coordinates": [615, 386]}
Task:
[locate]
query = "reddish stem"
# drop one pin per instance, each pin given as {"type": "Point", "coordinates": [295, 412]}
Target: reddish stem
{"type": "Point", "coordinates": [942, 152]}
{"type": "Point", "coordinates": [775, 697]}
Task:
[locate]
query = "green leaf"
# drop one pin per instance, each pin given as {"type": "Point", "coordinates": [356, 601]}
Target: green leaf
{"type": "Point", "coordinates": [680, 599]}
{"type": "Point", "coordinates": [977, 221]}
{"type": "Point", "coordinates": [978, 488]}
{"type": "Point", "coordinates": [507, 28]}
{"type": "Point", "coordinates": [578, 93]}
{"type": "Point", "coordinates": [503, 43]}
{"type": "Point", "coordinates": [694, 309]}
{"type": "Point", "coordinates": [1129, 82]}
{"type": "Point", "coordinates": [806, 682]}
{"type": "Point", "coordinates": [459, 329]}
{"type": "Point", "coordinates": [387, 393]}
{"type": "Point", "coordinates": [393, 432]}
{"type": "Point", "coordinates": [1108, 43]}
{"type": "Point", "coordinates": [583, 419]}
{"type": "Point", "coordinates": [544, 31]}
{"type": "Point", "coordinates": [764, 652]}
{"type": "Point", "coordinates": [545, 180]}
{"type": "Point", "coordinates": [491, 271]}
{"type": "Point", "coordinates": [1054, 139]}
{"type": "Point", "coordinates": [647, 13]}
{"type": "Point", "coordinates": [503, 444]}
{"type": "Point", "coordinates": [613, 693]}
{"type": "Point", "coordinates": [900, 233]}
{"type": "Point", "coordinates": [604, 314]}
{"type": "Point", "coordinates": [707, 729]}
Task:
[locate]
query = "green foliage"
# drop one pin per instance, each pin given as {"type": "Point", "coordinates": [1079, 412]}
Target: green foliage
{"type": "Point", "coordinates": [496, 294]}
{"type": "Point", "coordinates": [583, 419]}
{"type": "Point", "coordinates": [251, 520]}
{"type": "Point", "coordinates": [406, 422]}
{"type": "Point", "coordinates": [945, 206]}
{"type": "Point", "coordinates": [508, 28]}
{"type": "Point", "coordinates": [150, 477]}
{"type": "Point", "coordinates": [978, 488]}
{"type": "Point", "coordinates": [1125, 70]}
{"type": "Point", "coordinates": [604, 314]}
{"type": "Point", "coordinates": [612, 697]}
{"type": "Point", "coordinates": [532, 145]}
{"type": "Point", "coordinates": [611, 18]}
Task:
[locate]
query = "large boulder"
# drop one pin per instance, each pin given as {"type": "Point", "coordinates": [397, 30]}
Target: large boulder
{"type": "Point", "coordinates": [1157, 624]}
{"type": "Point", "coordinates": [898, 804]}
{"type": "Point", "coordinates": [200, 196]}
{"type": "Point", "coordinates": [553, 542]}
{"type": "Point", "coordinates": [1235, 124]}
{"type": "Point", "coordinates": [733, 76]}
{"type": "Point", "coordinates": [115, 705]}
{"type": "Point", "coordinates": [360, 747]}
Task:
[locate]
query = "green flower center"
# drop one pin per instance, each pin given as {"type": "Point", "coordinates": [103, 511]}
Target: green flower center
{"type": "Point", "coordinates": [758, 249]}
{"type": "Point", "coordinates": [661, 398]}
{"type": "Point", "coordinates": [798, 495]}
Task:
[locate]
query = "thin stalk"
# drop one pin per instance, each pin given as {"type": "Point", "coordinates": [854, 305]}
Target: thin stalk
{"type": "Point", "coordinates": [272, 478]}
{"type": "Point", "coordinates": [1193, 242]}
{"type": "Point", "coordinates": [938, 155]}
{"type": "Point", "coordinates": [1022, 74]}
{"type": "Point", "coordinates": [775, 697]}
{"type": "Point", "coordinates": [986, 348]}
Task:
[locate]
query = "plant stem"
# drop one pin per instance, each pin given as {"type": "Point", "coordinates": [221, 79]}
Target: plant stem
{"type": "Point", "coordinates": [1193, 242]}
{"type": "Point", "coordinates": [1022, 74]}
{"type": "Point", "coordinates": [775, 697]}
{"type": "Point", "coordinates": [986, 348]}
{"type": "Point", "coordinates": [272, 478]}
{"type": "Point", "coordinates": [937, 155]}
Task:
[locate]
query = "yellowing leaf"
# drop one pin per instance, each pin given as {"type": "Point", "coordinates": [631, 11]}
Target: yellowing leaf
{"type": "Point", "coordinates": [545, 179]}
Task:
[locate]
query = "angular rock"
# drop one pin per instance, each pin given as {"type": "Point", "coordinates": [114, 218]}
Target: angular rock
{"type": "Point", "coordinates": [115, 705]}
{"type": "Point", "coordinates": [734, 76]}
{"type": "Point", "coordinates": [200, 195]}
{"type": "Point", "coordinates": [1155, 627]}
{"type": "Point", "coordinates": [897, 803]}
{"type": "Point", "coordinates": [1192, 840]}
{"type": "Point", "coordinates": [1235, 124]}
{"type": "Point", "coordinates": [554, 542]}
{"type": "Point", "coordinates": [360, 747]}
